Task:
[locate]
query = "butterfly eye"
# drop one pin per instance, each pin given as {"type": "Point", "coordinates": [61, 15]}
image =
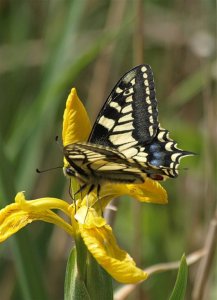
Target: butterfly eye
{"type": "Point", "coordinates": [70, 171]}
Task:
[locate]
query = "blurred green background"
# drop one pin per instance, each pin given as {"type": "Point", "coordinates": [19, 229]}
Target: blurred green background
{"type": "Point", "coordinates": [47, 47]}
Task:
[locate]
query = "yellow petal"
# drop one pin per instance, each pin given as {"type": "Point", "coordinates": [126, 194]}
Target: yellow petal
{"type": "Point", "coordinates": [89, 217]}
{"type": "Point", "coordinates": [101, 242]}
{"type": "Point", "coordinates": [17, 215]}
{"type": "Point", "coordinates": [149, 191]}
{"type": "Point", "coordinates": [76, 123]}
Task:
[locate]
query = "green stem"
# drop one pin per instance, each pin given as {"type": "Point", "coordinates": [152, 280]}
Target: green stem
{"type": "Point", "coordinates": [81, 258]}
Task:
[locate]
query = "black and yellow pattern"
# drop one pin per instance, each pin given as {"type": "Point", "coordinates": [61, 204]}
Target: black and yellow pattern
{"type": "Point", "coordinates": [127, 143]}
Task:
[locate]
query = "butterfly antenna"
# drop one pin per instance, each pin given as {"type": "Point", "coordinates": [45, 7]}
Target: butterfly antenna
{"type": "Point", "coordinates": [47, 170]}
{"type": "Point", "coordinates": [58, 143]}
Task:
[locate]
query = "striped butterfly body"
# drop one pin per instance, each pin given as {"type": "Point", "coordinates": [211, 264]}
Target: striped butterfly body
{"type": "Point", "coordinates": [127, 143]}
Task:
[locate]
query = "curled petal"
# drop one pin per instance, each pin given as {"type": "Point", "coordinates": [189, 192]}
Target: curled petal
{"type": "Point", "coordinates": [76, 123]}
{"type": "Point", "coordinates": [17, 215]}
{"type": "Point", "coordinates": [101, 242]}
{"type": "Point", "coordinates": [149, 191]}
{"type": "Point", "coordinates": [11, 220]}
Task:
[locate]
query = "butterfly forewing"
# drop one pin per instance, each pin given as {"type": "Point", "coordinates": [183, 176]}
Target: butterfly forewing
{"type": "Point", "coordinates": [129, 115]}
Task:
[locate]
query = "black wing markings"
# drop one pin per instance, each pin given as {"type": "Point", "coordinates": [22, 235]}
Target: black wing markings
{"type": "Point", "coordinates": [130, 111]}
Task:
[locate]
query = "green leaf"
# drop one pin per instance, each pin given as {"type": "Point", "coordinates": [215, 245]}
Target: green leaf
{"type": "Point", "coordinates": [85, 279]}
{"type": "Point", "coordinates": [178, 292]}
{"type": "Point", "coordinates": [81, 257]}
{"type": "Point", "coordinates": [74, 288]}
{"type": "Point", "coordinates": [99, 282]}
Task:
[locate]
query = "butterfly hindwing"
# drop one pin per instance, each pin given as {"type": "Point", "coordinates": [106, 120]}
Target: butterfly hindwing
{"type": "Point", "coordinates": [98, 163]}
{"type": "Point", "coordinates": [162, 153]}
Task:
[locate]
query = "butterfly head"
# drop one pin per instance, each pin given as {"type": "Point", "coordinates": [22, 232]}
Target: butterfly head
{"type": "Point", "coordinates": [69, 171]}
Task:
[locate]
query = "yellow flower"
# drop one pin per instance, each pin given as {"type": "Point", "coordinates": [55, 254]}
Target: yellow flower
{"type": "Point", "coordinates": [17, 215]}
{"type": "Point", "coordinates": [84, 218]}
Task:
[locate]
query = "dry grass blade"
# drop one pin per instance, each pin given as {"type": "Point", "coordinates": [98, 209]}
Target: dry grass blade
{"type": "Point", "coordinates": [206, 263]}
{"type": "Point", "coordinates": [192, 258]}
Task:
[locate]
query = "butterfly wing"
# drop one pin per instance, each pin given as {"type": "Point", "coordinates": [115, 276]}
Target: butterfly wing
{"type": "Point", "coordinates": [129, 116]}
{"type": "Point", "coordinates": [94, 164]}
{"type": "Point", "coordinates": [129, 123]}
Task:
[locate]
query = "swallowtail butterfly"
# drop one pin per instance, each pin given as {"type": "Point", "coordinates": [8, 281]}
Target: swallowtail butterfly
{"type": "Point", "coordinates": [127, 143]}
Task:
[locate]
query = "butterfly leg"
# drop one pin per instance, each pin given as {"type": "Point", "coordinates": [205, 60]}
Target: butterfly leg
{"type": "Point", "coordinates": [98, 199]}
{"type": "Point", "coordinates": [70, 193]}
{"type": "Point", "coordinates": [81, 189]}
{"type": "Point", "coordinates": [77, 192]}
{"type": "Point", "coordinates": [91, 188]}
{"type": "Point", "coordinates": [98, 190]}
